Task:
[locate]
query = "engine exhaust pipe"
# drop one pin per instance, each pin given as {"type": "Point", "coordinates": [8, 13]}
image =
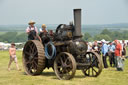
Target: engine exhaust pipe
{"type": "Point", "coordinates": [77, 23]}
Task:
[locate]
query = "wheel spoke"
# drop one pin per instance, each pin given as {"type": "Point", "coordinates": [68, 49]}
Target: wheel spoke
{"type": "Point", "coordinates": [28, 62]}
{"type": "Point", "coordinates": [33, 48]}
{"type": "Point", "coordinates": [35, 64]}
{"type": "Point", "coordinates": [30, 50]}
{"type": "Point", "coordinates": [30, 45]}
{"type": "Point", "coordinates": [35, 58]}
{"type": "Point", "coordinates": [93, 61]}
{"type": "Point", "coordinates": [35, 53]}
{"type": "Point", "coordinates": [95, 70]}
{"type": "Point", "coordinates": [61, 61]}
{"type": "Point", "coordinates": [68, 66]}
{"type": "Point", "coordinates": [68, 73]}
{"type": "Point", "coordinates": [33, 67]}
{"type": "Point", "coordinates": [27, 53]}
{"type": "Point", "coordinates": [92, 71]}
{"type": "Point", "coordinates": [89, 72]}
{"type": "Point", "coordinates": [66, 60]}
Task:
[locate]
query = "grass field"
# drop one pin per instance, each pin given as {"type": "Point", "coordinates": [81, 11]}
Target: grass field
{"type": "Point", "coordinates": [108, 76]}
{"type": "Point", "coordinates": [1, 33]}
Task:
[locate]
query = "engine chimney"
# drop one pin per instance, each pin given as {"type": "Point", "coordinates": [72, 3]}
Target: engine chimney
{"type": "Point", "coordinates": [77, 23]}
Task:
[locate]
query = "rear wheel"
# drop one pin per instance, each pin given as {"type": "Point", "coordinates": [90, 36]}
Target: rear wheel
{"type": "Point", "coordinates": [95, 67]}
{"type": "Point", "coordinates": [65, 66]}
{"type": "Point", "coordinates": [33, 57]}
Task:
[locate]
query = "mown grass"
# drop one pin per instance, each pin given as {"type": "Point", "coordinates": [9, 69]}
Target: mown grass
{"type": "Point", "coordinates": [108, 76]}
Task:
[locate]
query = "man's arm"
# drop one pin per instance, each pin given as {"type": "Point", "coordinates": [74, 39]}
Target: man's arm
{"type": "Point", "coordinates": [39, 38]}
{"type": "Point", "coordinates": [36, 30]}
{"type": "Point", "coordinates": [27, 30]}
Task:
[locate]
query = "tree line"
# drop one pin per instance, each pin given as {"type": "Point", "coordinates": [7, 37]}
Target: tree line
{"type": "Point", "coordinates": [10, 37]}
{"type": "Point", "coordinates": [106, 34]}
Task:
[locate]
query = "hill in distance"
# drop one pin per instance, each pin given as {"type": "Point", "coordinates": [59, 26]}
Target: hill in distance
{"type": "Point", "coordinates": [92, 29]}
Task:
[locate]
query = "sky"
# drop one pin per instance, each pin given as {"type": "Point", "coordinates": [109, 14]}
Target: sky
{"type": "Point", "coordinates": [16, 12]}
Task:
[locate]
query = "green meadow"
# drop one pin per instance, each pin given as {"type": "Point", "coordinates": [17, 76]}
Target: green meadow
{"type": "Point", "coordinates": [108, 76]}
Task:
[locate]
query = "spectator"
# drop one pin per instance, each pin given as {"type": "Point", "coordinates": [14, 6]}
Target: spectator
{"type": "Point", "coordinates": [44, 34]}
{"type": "Point", "coordinates": [12, 53]}
{"type": "Point", "coordinates": [43, 29]}
{"type": "Point", "coordinates": [118, 54]}
{"type": "Point", "coordinates": [51, 33]}
{"type": "Point", "coordinates": [96, 47]}
{"type": "Point", "coordinates": [89, 46]}
{"type": "Point", "coordinates": [123, 48]}
{"type": "Point", "coordinates": [111, 53]}
{"type": "Point", "coordinates": [104, 50]}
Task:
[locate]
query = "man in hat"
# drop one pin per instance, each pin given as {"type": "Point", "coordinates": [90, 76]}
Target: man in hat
{"type": "Point", "coordinates": [12, 53]}
{"type": "Point", "coordinates": [32, 31]}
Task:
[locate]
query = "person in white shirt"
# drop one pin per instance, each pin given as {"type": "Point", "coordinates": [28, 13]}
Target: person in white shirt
{"type": "Point", "coordinates": [89, 46]}
{"type": "Point", "coordinates": [43, 29]}
{"type": "Point", "coordinates": [43, 34]}
{"type": "Point", "coordinates": [32, 31]}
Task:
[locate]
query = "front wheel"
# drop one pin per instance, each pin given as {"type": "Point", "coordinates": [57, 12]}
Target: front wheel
{"type": "Point", "coordinates": [65, 66]}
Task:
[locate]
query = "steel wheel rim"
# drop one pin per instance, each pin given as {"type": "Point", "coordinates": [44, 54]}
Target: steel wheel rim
{"type": "Point", "coordinates": [33, 57]}
{"type": "Point", "coordinates": [30, 60]}
{"type": "Point", "coordinates": [95, 67]}
{"type": "Point", "coordinates": [64, 66]}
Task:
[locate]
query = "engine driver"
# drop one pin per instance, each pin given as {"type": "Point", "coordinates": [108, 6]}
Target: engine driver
{"type": "Point", "coordinates": [43, 34]}
{"type": "Point", "coordinates": [32, 31]}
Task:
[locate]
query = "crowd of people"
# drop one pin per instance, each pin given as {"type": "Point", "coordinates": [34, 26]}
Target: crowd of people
{"type": "Point", "coordinates": [114, 51]}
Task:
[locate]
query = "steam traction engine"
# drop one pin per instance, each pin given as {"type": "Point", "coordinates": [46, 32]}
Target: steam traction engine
{"type": "Point", "coordinates": [64, 51]}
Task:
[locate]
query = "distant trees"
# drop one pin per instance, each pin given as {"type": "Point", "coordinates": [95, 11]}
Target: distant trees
{"type": "Point", "coordinates": [86, 36]}
{"type": "Point", "coordinates": [21, 37]}
{"type": "Point", "coordinates": [13, 37]}
{"type": "Point", "coordinates": [107, 35]}
{"type": "Point", "coordinates": [102, 36]}
{"type": "Point", "coordinates": [8, 37]}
